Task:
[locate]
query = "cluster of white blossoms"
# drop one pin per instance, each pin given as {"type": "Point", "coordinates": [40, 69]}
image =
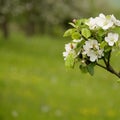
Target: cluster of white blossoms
{"type": "Point", "coordinates": [105, 22]}
{"type": "Point", "coordinates": [87, 45]}
{"type": "Point", "coordinates": [92, 50]}
{"type": "Point", "coordinates": [93, 40]}
{"type": "Point", "coordinates": [102, 21]}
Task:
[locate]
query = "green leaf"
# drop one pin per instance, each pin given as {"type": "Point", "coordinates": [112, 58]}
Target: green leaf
{"type": "Point", "coordinates": [107, 48]}
{"type": "Point", "coordinates": [106, 55]}
{"type": "Point", "coordinates": [101, 32]}
{"type": "Point", "coordinates": [79, 45]}
{"type": "Point", "coordinates": [86, 32]}
{"type": "Point", "coordinates": [80, 22]}
{"type": "Point", "coordinates": [103, 44]}
{"type": "Point", "coordinates": [100, 35]}
{"type": "Point", "coordinates": [116, 30]}
{"type": "Point", "coordinates": [72, 24]}
{"type": "Point", "coordinates": [83, 68]}
{"type": "Point", "coordinates": [68, 32]}
{"type": "Point", "coordinates": [90, 68]}
{"type": "Point", "coordinates": [70, 60]}
{"type": "Point", "coordinates": [117, 53]}
{"type": "Point", "coordinates": [98, 38]}
{"type": "Point", "coordinates": [76, 35]}
{"type": "Point", "coordinates": [118, 80]}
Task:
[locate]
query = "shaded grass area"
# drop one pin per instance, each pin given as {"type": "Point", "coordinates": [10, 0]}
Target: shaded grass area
{"type": "Point", "coordinates": [34, 84]}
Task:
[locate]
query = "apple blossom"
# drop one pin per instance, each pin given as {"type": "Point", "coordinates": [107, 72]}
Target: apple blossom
{"type": "Point", "coordinates": [115, 21]}
{"type": "Point", "coordinates": [69, 49]}
{"type": "Point", "coordinates": [104, 22]}
{"type": "Point", "coordinates": [92, 23]}
{"type": "Point", "coordinates": [92, 50]}
{"type": "Point", "coordinates": [111, 38]}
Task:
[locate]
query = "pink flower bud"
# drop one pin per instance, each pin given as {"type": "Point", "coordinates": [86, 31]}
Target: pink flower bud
{"type": "Point", "coordinates": [74, 20]}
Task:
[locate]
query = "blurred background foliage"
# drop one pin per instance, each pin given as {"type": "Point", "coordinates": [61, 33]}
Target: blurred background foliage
{"type": "Point", "coordinates": [34, 84]}
{"type": "Point", "coordinates": [50, 16]}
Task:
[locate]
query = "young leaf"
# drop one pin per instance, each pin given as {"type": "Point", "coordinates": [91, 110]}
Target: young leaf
{"type": "Point", "coordinates": [90, 68]}
{"type": "Point", "coordinates": [116, 30]}
{"type": "Point", "coordinates": [118, 80]}
{"type": "Point", "coordinates": [76, 35]}
{"type": "Point", "coordinates": [117, 53]}
{"type": "Point", "coordinates": [101, 32]}
{"type": "Point", "coordinates": [72, 24]}
{"type": "Point", "coordinates": [79, 45]}
{"type": "Point", "coordinates": [70, 60]}
{"type": "Point", "coordinates": [86, 32]}
{"type": "Point", "coordinates": [107, 49]}
{"type": "Point", "coordinates": [83, 69]}
{"type": "Point", "coordinates": [68, 32]}
{"type": "Point", "coordinates": [80, 22]}
{"type": "Point", "coordinates": [103, 44]}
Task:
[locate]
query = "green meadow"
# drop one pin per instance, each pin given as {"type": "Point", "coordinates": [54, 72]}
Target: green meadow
{"type": "Point", "coordinates": [35, 85]}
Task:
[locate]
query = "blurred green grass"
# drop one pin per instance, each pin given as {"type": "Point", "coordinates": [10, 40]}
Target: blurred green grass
{"type": "Point", "coordinates": [34, 83]}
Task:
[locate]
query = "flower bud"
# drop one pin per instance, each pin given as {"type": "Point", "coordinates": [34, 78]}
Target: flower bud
{"type": "Point", "coordinates": [74, 20]}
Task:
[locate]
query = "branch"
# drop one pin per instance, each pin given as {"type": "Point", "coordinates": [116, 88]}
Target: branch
{"type": "Point", "coordinates": [105, 62]}
{"type": "Point", "coordinates": [101, 66]}
{"type": "Point", "coordinates": [109, 56]}
{"type": "Point", "coordinates": [109, 68]}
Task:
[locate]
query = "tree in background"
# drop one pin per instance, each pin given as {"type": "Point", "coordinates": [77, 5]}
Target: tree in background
{"type": "Point", "coordinates": [46, 16]}
{"type": "Point", "coordinates": [7, 11]}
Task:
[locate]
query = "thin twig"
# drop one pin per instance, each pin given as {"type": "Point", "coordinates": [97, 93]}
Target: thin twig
{"type": "Point", "coordinates": [110, 69]}
{"type": "Point", "coordinates": [105, 62]}
{"type": "Point", "coordinates": [101, 66]}
{"type": "Point", "coordinates": [109, 56]}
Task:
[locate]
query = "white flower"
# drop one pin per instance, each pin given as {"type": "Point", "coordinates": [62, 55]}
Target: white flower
{"type": "Point", "coordinates": [69, 49]}
{"type": "Point", "coordinates": [93, 56]}
{"type": "Point", "coordinates": [92, 50]}
{"type": "Point", "coordinates": [92, 23]}
{"type": "Point", "coordinates": [104, 22]}
{"type": "Point", "coordinates": [111, 38]}
{"type": "Point", "coordinates": [65, 54]}
{"type": "Point", "coordinates": [90, 44]}
{"type": "Point", "coordinates": [70, 46]}
{"type": "Point", "coordinates": [100, 53]}
{"type": "Point", "coordinates": [115, 21]}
